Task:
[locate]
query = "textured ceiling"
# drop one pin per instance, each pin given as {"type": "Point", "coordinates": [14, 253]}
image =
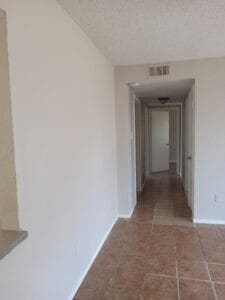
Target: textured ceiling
{"type": "Point", "coordinates": [145, 31]}
{"type": "Point", "coordinates": [176, 90]}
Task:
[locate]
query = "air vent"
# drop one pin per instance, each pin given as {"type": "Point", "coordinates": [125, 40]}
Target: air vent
{"type": "Point", "coordinates": [159, 70]}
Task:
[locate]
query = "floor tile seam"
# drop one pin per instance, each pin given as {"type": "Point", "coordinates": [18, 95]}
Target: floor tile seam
{"type": "Point", "coordinates": [177, 273]}
{"type": "Point", "coordinates": [219, 264]}
{"type": "Point", "coordinates": [212, 284]}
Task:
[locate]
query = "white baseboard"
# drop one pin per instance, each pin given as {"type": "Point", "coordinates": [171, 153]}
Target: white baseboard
{"type": "Point", "coordinates": [91, 261]}
{"type": "Point", "coordinates": [209, 221]}
{"type": "Point", "coordinates": [126, 216]}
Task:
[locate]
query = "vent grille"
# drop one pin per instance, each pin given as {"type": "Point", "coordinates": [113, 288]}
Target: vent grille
{"type": "Point", "coordinates": [161, 70]}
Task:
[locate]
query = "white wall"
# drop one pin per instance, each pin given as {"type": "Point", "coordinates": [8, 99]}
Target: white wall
{"type": "Point", "coordinates": [209, 131]}
{"type": "Point", "coordinates": [63, 115]}
{"type": "Point", "coordinates": [141, 143]}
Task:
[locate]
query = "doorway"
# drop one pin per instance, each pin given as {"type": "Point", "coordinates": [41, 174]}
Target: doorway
{"type": "Point", "coordinates": [160, 140]}
{"type": "Point", "coordinates": [164, 135]}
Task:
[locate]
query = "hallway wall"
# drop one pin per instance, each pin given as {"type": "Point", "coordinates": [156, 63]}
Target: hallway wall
{"type": "Point", "coordinates": [64, 132]}
{"type": "Point", "coordinates": [209, 131]}
{"type": "Point", "coordinates": [141, 143]}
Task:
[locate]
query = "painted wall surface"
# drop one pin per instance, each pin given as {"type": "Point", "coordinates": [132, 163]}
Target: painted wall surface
{"type": "Point", "coordinates": [64, 131]}
{"type": "Point", "coordinates": [209, 131]}
{"type": "Point", "coordinates": [141, 143]}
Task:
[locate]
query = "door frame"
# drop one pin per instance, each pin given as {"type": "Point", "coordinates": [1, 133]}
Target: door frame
{"type": "Point", "coordinates": [132, 154]}
{"type": "Point", "coordinates": [179, 108]}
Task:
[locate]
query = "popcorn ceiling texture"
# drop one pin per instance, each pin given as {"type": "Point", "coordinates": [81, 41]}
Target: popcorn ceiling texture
{"type": "Point", "coordinates": [142, 31]}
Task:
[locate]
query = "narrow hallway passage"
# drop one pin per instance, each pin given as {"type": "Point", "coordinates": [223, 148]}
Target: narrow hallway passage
{"type": "Point", "coordinates": [159, 254]}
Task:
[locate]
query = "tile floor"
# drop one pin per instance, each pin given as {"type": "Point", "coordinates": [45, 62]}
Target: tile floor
{"type": "Point", "coordinates": [159, 254]}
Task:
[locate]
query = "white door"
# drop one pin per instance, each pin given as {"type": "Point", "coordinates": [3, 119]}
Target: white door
{"type": "Point", "coordinates": [160, 141]}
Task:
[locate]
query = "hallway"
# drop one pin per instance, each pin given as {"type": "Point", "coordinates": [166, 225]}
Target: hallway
{"type": "Point", "coordinates": [159, 254]}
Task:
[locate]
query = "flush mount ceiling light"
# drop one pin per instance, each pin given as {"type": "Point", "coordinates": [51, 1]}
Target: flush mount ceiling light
{"type": "Point", "coordinates": [163, 100]}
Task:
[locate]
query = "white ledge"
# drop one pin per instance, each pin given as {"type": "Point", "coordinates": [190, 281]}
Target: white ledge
{"type": "Point", "coordinates": [9, 239]}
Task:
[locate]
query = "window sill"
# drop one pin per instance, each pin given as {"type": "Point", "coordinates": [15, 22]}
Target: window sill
{"type": "Point", "coordinates": [9, 239]}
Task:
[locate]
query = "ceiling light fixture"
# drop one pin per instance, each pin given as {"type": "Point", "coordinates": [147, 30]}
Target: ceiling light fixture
{"type": "Point", "coordinates": [163, 100]}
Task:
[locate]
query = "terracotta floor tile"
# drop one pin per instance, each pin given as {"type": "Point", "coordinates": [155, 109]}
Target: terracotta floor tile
{"type": "Point", "coordinates": [137, 248]}
{"type": "Point", "coordinates": [89, 294]}
{"type": "Point", "coordinates": [85, 294]}
{"type": "Point", "coordinates": [159, 288]}
{"type": "Point", "coordinates": [98, 279]}
{"type": "Point", "coordinates": [113, 295]}
{"type": "Point", "coordinates": [192, 270]}
{"type": "Point", "coordinates": [138, 259]}
{"type": "Point", "coordinates": [220, 291]}
{"type": "Point", "coordinates": [163, 220]}
{"type": "Point", "coordinates": [162, 265]}
{"type": "Point", "coordinates": [182, 233]}
{"type": "Point", "coordinates": [163, 212]}
{"type": "Point", "coordinates": [143, 219]}
{"type": "Point", "coordinates": [162, 229]}
{"type": "Point", "coordinates": [183, 221]}
{"type": "Point", "coordinates": [162, 249]}
{"type": "Point", "coordinates": [214, 251]}
{"type": "Point", "coordinates": [189, 251]}
{"type": "Point", "coordinates": [195, 290]}
{"type": "Point", "coordinates": [221, 229]}
{"type": "Point", "coordinates": [208, 232]}
{"type": "Point", "coordinates": [130, 275]}
{"type": "Point", "coordinates": [217, 272]}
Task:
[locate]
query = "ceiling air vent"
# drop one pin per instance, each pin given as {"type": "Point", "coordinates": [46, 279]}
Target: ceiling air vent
{"type": "Point", "coordinates": [159, 70]}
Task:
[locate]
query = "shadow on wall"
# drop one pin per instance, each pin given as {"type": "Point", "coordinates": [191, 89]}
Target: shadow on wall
{"type": "Point", "coordinates": [8, 192]}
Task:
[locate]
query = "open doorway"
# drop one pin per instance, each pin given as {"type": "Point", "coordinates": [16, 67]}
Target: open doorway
{"type": "Point", "coordinates": [164, 144]}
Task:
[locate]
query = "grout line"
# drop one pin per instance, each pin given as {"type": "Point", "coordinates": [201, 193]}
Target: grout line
{"type": "Point", "coordinates": [161, 275]}
{"type": "Point", "coordinates": [178, 284]}
{"type": "Point", "coordinates": [219, 282]}
{"type": "Point", "coordinates": [207, 268]}
{"type": "Point", "coordinates": [212, 263]}
{"type": "Point", "coordinates": [212, 284]}
{"type": "Point", "coordinates": [196, 279]}
{"type": "Point", "coordinates": [206, 264]}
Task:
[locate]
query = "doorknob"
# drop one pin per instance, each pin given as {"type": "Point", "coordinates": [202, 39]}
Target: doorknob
{"type": "Point", "coordinates": [167, 144]}
{"type": "Point", "coordinates": [188, 157]}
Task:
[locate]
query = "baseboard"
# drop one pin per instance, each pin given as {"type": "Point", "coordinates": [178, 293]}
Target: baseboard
{"type": "Point", "coordinates": [209, 221]}
{"type": "Point", "coordinates": [91, 261]}
{"type": "Point", "coordinates": [125, 216]}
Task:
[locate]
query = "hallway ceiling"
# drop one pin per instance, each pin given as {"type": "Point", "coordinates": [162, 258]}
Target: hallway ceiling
{"type": "Point", "coordinates": [176, 90]}
{"type": "Point", "coordinates": [147, 31]}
